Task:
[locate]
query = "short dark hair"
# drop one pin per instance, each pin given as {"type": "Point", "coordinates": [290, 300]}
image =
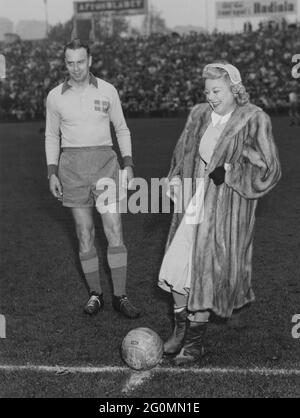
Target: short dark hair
{"type": "Point", "coordinates": [77, 44]}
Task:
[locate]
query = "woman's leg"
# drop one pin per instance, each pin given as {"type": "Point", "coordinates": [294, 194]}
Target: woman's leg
{"type": "Point", "coordinates": [193, 343]}
{"type": "Point", "coordinates": [180, 300]}
{"type": "Point", "coordinates": [174, 343]}
{"type": "Point", "coordinates": [201, 316]}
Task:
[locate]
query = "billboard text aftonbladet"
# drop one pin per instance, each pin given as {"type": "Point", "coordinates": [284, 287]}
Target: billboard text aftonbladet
{"type": "Point", "coordinates": [85, 9]}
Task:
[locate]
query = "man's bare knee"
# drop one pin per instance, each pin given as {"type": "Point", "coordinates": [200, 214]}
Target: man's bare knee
{"type": "Point", "coordinates": [85, 228]}
{"type": "Point", "coordinates": [86, 238]}
{"type": "Point", "coordinates": [114, 234]}
{"type": "Point", "coordinates": [114, 238]}
{"type": "Point", "coordinates": [113, 229]}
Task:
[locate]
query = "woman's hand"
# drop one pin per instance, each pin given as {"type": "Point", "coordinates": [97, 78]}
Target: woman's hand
{"type": "Point", "coordinates": [218, 175]}
{"type": "Point", "coordinates": [174, 188]}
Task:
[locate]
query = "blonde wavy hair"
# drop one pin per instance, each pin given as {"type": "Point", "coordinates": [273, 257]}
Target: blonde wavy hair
{"type": "Point", "coordinates": [238, 90]}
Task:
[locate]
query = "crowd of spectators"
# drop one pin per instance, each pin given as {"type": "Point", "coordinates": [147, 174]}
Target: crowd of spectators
{"type": "Point", "coordinates": [155, 76]}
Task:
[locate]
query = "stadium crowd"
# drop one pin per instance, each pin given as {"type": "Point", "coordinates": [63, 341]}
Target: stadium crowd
{"type": "Point", "coordinates": [155, 76]}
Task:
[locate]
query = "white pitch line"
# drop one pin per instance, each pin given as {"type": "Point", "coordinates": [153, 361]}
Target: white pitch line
{"type": "Point", "coordinates": [170, 370]}
{"type": "Point", "coordinates": [63, 369]}
{"type": "Point", "coordinates": [135, 380]}
{"type": "Point", "coordinates": [257, 371]}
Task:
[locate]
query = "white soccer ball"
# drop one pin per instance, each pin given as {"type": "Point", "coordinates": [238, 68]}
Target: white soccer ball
{"type": "Point", "coordinates": [142, 349]}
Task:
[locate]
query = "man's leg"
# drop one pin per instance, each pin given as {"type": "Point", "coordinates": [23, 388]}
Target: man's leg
{"type": "Point", "coordinates": [117, 261]}
{"type": "Point", "coordinates": [85, 230]}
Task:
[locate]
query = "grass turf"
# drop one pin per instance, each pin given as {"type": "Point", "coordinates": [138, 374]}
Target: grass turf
{"type": "Point", "coordinates": [42, 291]}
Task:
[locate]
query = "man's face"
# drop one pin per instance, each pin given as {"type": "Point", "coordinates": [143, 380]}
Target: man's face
{"type": "Point", "coordinates": [78, 64]}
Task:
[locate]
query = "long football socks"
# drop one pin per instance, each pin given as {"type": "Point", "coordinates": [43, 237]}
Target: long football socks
{"type": "Point", "coordinates": [90, 266]}
{"type": "Point", "coordinates": [117, 261]}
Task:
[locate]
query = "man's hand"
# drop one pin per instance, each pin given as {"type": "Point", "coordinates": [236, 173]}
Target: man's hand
{"type": "Point", "coordinates": [55, 187]}
{"type": "Point", "coordinates": [127, 177]}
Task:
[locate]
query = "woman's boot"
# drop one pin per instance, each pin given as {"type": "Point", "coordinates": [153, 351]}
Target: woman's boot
{"type": "Point", "coordinates": [174, 343]}
{"type": "Point", "coordinates": [193, 348]}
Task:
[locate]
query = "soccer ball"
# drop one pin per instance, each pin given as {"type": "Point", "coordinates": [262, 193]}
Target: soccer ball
{"type": "Point", "coordinates": [142, 349]}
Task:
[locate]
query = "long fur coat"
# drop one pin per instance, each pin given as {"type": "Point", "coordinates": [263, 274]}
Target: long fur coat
{"type": "Point", "coordinates": [222, 251]}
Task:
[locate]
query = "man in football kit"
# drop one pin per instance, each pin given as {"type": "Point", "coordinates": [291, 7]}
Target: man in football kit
{"type": "Point", "coordinates": [293, 108]}
{"type": "Point", "coordinates": [79, 112]}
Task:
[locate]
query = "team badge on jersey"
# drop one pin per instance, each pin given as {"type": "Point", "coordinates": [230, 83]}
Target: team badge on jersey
{"type": "Point", "coordinates": [102, 105]}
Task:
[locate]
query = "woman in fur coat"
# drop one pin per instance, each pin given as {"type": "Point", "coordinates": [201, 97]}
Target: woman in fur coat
{"type": "Point", "coordinates": [227, 149]}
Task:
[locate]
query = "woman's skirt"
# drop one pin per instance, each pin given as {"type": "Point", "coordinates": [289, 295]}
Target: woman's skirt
{"type": "Point", "coordinates": [175, 272]}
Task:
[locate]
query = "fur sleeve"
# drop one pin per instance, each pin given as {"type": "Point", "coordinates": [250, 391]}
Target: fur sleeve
{"type": "Point", "coordinates": [179, 151]}
{"type": "Point", "coordinates": [258, 169]}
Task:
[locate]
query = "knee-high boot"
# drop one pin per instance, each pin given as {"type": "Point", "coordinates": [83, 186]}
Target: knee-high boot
{"type": "Point", "coordinates": [175, 341]}
{"type": "Point", "coordinates": [193, 345]}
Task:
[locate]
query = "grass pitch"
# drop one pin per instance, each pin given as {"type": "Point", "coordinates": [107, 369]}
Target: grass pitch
{"type": "Point", "coordinates": [42, 291]}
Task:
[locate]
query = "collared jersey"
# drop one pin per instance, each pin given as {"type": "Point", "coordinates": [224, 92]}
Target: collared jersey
{"type": "Point", "coordinates": [83, 119]}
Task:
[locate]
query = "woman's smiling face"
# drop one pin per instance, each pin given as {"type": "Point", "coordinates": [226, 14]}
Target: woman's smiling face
{"type": "Point", "coordinates": [219, 95]}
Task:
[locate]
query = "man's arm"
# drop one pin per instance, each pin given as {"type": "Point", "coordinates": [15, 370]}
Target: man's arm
{"type": "Point", "coordinates": [52, 140]}
{"type": "Point", "coordinates": [122, 131]}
